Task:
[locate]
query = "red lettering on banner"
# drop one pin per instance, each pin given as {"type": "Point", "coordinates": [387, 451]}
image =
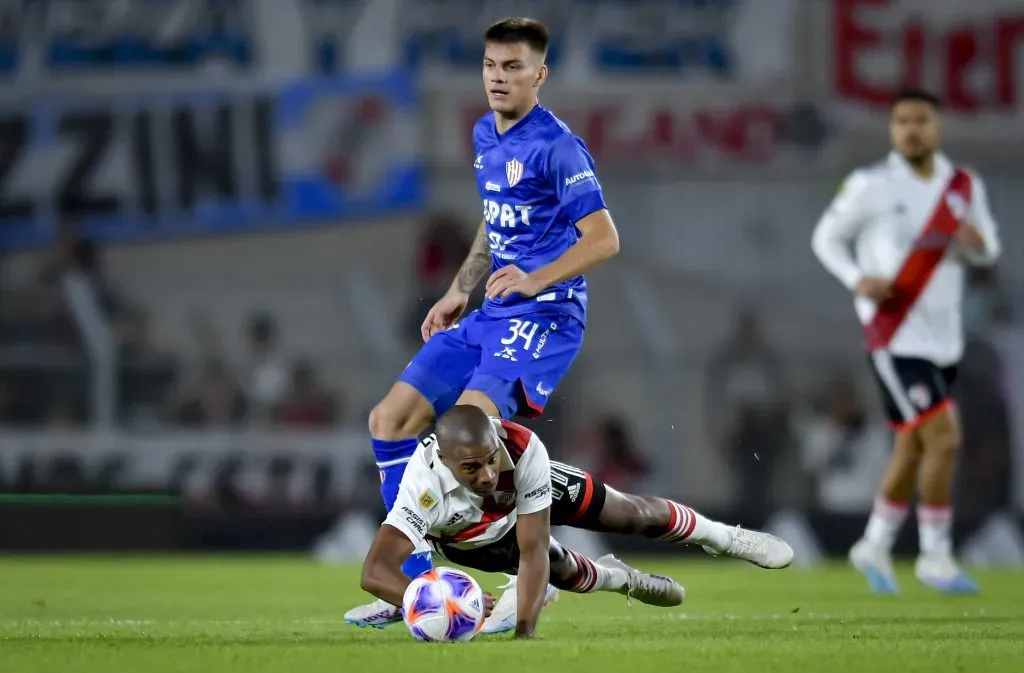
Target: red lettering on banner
{"type": "Point", "coordinates": [1009, 37]}
{"type": "Point", "coordinates": [851, 39]}
{"type": "Point", "coordinates": [960, 53]}
{"type": "Point", "coordinates": [744, 134]}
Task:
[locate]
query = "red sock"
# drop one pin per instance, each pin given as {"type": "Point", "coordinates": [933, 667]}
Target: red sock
{"type": "Point", "coordinates": [686, 525]}
{"type": "Point", "coordinates": [681, 522]}
{"type": "Point", "coordinates": [587, 575]}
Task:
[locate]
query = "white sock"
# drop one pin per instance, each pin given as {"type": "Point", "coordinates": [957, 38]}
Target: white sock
{"type": "Point", "coordinates": [934, 525]}
{"type": "Point", "coordinates": [884, 524]}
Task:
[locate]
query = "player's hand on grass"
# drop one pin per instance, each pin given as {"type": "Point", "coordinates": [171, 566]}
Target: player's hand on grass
{"type": "Point", "coordinates": [489, 602]}
{"type": "Point", "coordinates": [874, 288]}
{"type": "Point", "coordinates": [510, 280]}
{"type": "Point", "coordinates": [444, 313]}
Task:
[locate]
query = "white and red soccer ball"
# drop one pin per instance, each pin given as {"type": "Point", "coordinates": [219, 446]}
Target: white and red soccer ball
{"type": "Point", "coordinates": [443, 605]}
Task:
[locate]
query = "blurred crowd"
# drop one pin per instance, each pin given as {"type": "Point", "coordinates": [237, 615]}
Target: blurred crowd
{"type": "Point", "coordinates": [45, 364]}
{"type": "Point", "coordinates": [781, 444]}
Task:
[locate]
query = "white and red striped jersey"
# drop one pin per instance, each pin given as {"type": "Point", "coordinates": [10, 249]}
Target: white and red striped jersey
{"type": "Point", "coordinates": [432, 504]}
{"type": "Point", "coordinates": [873, 225]}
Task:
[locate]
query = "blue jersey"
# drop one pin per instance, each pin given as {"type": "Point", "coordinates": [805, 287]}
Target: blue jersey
{"type": "Point", "coordinates": [537, 180]}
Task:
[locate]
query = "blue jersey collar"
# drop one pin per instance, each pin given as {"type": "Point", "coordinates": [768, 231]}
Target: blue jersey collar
{"type": "Point", "coordinates": [519, 127]}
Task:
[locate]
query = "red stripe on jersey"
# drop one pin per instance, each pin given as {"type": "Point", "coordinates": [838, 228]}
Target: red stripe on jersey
{"type": "Point", "coordinates": [493, 511]}
{"type": "Point", "coordinates": [929, 249]}
{"type": "Point", "coordinates": [516, 440]}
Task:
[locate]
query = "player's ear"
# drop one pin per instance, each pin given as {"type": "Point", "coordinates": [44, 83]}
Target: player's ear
{"type": "Point", "coordinates": [542, 75]}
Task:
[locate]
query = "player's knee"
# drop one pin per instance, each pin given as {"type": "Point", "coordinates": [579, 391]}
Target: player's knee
{"type": "Point", "coordinates": [390, 421]}
{"type": "Point", "coordinates": [559, 561]}
{"type": "Point", "coordinates": [941, 437]}
{"type": "Point", "coordinates": [944, 444]}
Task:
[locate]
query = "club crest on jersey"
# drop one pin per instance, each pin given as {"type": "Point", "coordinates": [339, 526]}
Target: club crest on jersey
{"type": "Point", "coordinates": [505, 499]}
{"type": "Point", "coordinates": [514, 172]}
{"type": "Point", "coordinates": [957, 205]}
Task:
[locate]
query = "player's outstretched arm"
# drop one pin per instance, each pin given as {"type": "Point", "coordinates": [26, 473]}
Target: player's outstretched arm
{"type": "Point", "coordinates": [533, 533]}
{"type": "Point", "coordinates": [382, 567]}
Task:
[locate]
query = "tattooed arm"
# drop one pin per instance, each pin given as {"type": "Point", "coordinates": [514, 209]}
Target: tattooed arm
{"type": "Point", "coordinates": [477, 264]}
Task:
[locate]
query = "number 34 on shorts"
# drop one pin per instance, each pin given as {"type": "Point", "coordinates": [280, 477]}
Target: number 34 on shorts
{"type": "Point", "coordinates": [533, 350]}
{"type": "Point", "coordinates": [522, 337]}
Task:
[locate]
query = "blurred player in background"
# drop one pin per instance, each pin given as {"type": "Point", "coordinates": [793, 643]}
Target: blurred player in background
{"type": "Point", "coordinates": [912, 220]}
{"type": "Point", "coordinates": [485, 494]}
{"type": "Point", "coordinates": [545, 223]}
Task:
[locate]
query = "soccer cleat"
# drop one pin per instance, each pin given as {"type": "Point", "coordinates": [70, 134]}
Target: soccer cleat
{"type": "Point", "coordinates": [875, 563]}
{"type": "Point", "coordinates": [503, 616]}
{"type": "Point", "coordinates": [941, 572]}
{"type": "Point", "coordinates": [657, 590]}
{"type": "Point", "coordinates": [376, 615]}
{"type": "Point", "coordinates": [761, 549]}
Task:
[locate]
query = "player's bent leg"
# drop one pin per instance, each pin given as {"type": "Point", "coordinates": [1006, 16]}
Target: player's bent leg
{"type": "Point", "coordinates": [668, 521]}
{"type": "Point", "coordinates": [480, 400]}
{"type": "Point", "coordinates": [872, 553]}
{"type": "Point", "coordinates": [936, 566]}
{"type": "Point", "coordinates": [575, 572]}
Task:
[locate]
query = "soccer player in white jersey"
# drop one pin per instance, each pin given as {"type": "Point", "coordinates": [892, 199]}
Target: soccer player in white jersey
{"type": "Point", "coordinates": [545, 223]}
{"type": "Point", "coordinates": [483, 492]}
{"type": "Point", "coordinates": [912, 220]}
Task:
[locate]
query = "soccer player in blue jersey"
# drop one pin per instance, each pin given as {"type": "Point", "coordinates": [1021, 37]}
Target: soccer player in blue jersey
{"type": "Point", "coordinates": [545, 223]}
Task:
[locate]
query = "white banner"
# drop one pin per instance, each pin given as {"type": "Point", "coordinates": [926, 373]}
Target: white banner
{"type": "Point", "coordinates": [260, 468]}
{"type": "Point", "coordinates": [641, 129]}
{"type": "Point", "coordinates": [971, 54]}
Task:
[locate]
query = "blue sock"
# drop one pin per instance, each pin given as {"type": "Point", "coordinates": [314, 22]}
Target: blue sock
{"type": "Point", "coordinates": [391, 461]}
{"type": "Point", "coordinates": [392, 457]}
{"type": "Point", "coordinates": [417, 564]}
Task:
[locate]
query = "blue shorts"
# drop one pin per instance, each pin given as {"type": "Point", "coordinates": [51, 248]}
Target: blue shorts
{"type": "Point", "coordinates": [516, 362]}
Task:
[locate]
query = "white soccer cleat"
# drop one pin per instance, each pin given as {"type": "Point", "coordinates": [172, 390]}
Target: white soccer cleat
{"type": "Point", "coordinates": [503, 616]}
{"type": "Point", "coordinates": [657, 590]}
{"type": "Point", "coordinates": [875, 563]}
{"type": "Point", "coordinates": [761, 549]}
{"type": "Point", "coordinates": [375, 615]}
{"type": "Point", "coordinates": [940, 571]}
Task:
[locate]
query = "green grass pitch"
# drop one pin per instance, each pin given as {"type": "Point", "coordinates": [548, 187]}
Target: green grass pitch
{"type": "Point", "coordinates": [261, 614]}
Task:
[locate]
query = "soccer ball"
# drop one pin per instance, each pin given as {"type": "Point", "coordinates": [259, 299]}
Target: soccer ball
{"type": "Point", "coordinates": [443, 605]}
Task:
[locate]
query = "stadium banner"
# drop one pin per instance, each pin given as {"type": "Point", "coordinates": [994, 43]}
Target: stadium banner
{"type": "Point", "coordinates": [43, 40]}
{"type": "Point", "coordinates": [594, 41]}
{"type": "Point", "coordinates": [280, 470]}
{"type": "Point", "coordinates": [966, 52]}
{"type": "Point", "coordinates": [150, 162]}
{"type": "Point", "coordinates": [633, 131]}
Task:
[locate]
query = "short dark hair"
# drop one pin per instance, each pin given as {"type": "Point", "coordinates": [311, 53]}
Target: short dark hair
{"type": "Point", "coordinates": [520, 29]}
{"type": "Point", "coordinates": [916, 95]}
{"type": "Point", "coordinates": [463, 425]}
